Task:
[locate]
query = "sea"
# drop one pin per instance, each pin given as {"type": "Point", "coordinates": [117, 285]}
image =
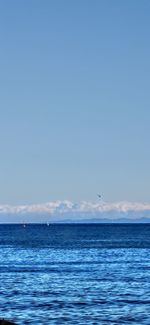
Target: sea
{"type": "Point", "coordinates": [96, 274]}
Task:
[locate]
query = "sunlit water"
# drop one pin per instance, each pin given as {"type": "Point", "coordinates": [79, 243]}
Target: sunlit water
{"type": "Point", "coordinates": [75, 274]}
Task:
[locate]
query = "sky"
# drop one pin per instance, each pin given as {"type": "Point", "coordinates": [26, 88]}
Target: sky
{"type": "Point", "coordinates": [74, 101]}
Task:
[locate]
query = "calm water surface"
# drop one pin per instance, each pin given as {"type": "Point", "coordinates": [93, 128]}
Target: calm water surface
{"type": "Point", "coordinates": [75, 274]}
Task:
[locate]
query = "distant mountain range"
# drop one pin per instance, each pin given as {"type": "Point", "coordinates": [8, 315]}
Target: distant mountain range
{"type": "Point", "coordinates": [96, 220]}
{"type": "Point", "coordinates": [83, 212]}
{"type": "Point", "coordinates": [68, 218]}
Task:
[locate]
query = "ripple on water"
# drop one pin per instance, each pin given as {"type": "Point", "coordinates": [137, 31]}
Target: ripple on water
{"type": "Point", "coordinates": [85, 283]}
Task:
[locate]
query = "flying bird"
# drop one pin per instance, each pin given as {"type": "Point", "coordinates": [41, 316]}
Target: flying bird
{"type": "Point", "coordinates": [99, 196]}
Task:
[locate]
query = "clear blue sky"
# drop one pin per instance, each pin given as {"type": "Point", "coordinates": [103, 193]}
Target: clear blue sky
{"type": "Point", "coordinates": [74, 100]}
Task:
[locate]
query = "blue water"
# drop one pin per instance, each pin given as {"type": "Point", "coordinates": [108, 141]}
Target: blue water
{"type": "Point", "coordinates": [75, 274]}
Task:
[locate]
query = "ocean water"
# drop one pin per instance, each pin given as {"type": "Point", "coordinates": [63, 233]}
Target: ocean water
{"type": "Point", "coordinates": [75, 274]}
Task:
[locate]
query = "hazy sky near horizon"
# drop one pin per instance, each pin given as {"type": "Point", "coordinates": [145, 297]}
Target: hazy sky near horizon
{"type": "Point", "coordinates": [75, 100]}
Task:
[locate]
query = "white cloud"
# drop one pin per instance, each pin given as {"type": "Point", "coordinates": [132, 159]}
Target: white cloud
{"type": "Point", "coordinates": [66, 206]}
